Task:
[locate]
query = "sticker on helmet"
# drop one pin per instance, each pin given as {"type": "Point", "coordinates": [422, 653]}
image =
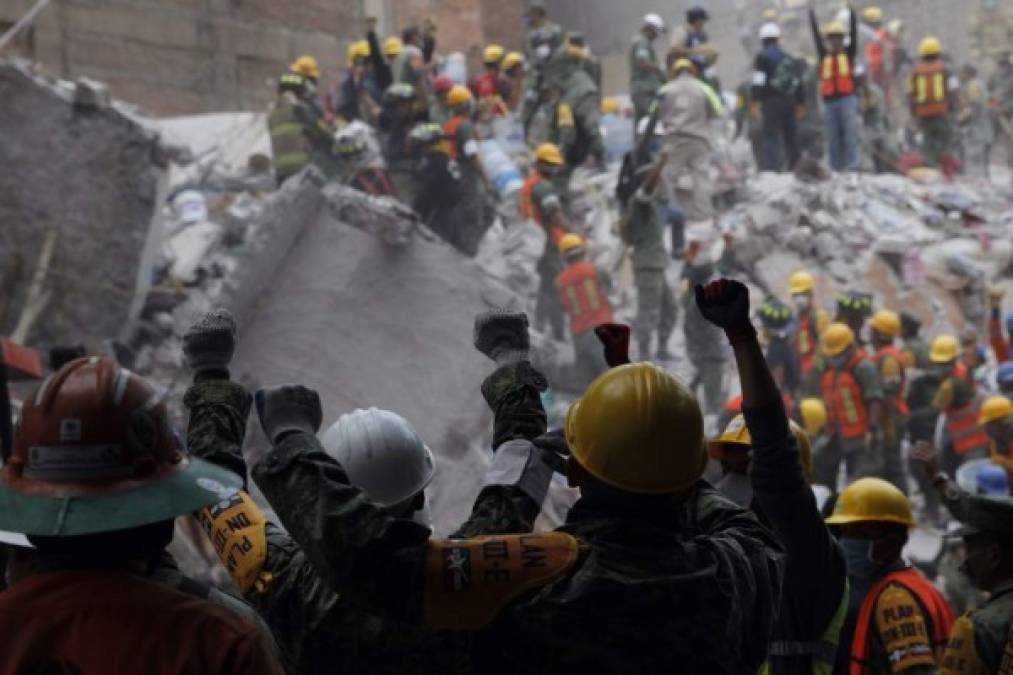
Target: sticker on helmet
{"type": "Point", "coordinates": [70, 430]}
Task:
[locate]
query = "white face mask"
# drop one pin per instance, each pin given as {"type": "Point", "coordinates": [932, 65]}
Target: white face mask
{"type": "Point", "coordinates": [543, 52]}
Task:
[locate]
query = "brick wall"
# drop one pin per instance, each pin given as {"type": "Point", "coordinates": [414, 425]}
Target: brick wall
{"type": "Point", "coordinates": [184, 56]}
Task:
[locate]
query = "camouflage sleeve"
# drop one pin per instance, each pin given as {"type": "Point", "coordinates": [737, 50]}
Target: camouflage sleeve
{"type": "Point", "coordinates": [217, 428]}
{"type": "Point", "coordinates": [374, 560]}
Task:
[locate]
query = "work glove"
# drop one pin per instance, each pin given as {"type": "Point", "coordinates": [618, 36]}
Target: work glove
{"type": "Point", "coordinates": [209, 344]}
{"type": "Point", "coordinates": [502, 335]}
{"type": "Point", "coordinates": [725, 303]}
{"type": "Point", "coordinates": [287, 409]}
{"type": "Point", "coordinates": [615, 338]}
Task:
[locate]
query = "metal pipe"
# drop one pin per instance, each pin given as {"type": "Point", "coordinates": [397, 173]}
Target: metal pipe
{"type": "Point", "coordinates": [23, 22]}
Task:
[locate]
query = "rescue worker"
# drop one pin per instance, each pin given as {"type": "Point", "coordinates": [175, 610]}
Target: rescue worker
{"type": "Point", "coordinates": [318, 630]}
{"type": "Point", "coordinates": [398, 116]}
{"type": "Point", "coordinates": [685, 108]}
{"type": "Point", "coordinates": [358, 95]}
{"type": "Point", "coordinates": [90, 608]}
{"type": "Point", "coordinates": [583, 294]}
{"type": "Point", "coordinates": [878, 51]}
{"type": "Point", "coordinates": [704, 348]}
{"type": "Point", "coordinates": [898, 621]}
{"type": "Point", "coordinates": [999, 342]}
{"type": "Point", "coordinates": [979, 640]}
{"type": "Point", "coordinates": [554, 121]}
{"type": "Point", "coordinates": [641, 230]}
{"type": "Point", "coordinates": [915, 350]}
{"type": "Point", "coordinates": [854, 398]}
{"type": "Point", "coordinates": [462, 146]}
{"type": "Point", "coordinates": [437, 185]}
{"type": "Point", "coordinates": [990, 32]}
{"type": "Point", "coordinates": [777, 84]}
{"type": "Point", "coordinates": [541, 202]}
{"type": "Point", "coordinates": [576, 46]}
{"type": "Point", "coordinates": [837, 58]}
{"type": "Point", "coordinates": [885, 327]}
{"type": "Point", "coordinates": [853, 309]}
{"type": "Point", "coordinates": [963, 438]}
{"type": "Point", "coordinates": [646, 74]}
{"type": "Point", "coordinates": [695, 45]}
{"type": "Point", "coordinates": [1000, 86]}
{"type": "Point", "coordinates": [308, 67]}
{"type": "Point", "coordinates": [810, 322]}
{"type": "Point", "coordinates": [811, 135]}
{"type": "Point", "coordinates": [512, 69]}
{"type": "Point", "coordinates": [996, 417]}
{"type": "Point", "coordinates": [563, 79]}
{"type": "Point", "coordinates": [776, 319]}
{"type": "Point", "coordinates": [488, 88]}
{"type": "Point", "coordinates": [298, 135]}
{"type": "Point", "coordinates": [636, 454]}
{"type": "Point", "coordinates": [749, 120]}
{"type": "Point", "coordinates": [439, 110]}
{"type": "Point", "coordinates": [975, 122]}
{"type": "Point", "coordinates": [767, 465]}
{"type": "Point", "coordinates": [931, 99]}
{"type": "Point", "coordinates": [544, 37]}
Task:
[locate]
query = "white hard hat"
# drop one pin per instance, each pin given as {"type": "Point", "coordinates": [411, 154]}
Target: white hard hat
{"type": "Point", "coordinates": [770, 31]}
{"type": "Point", "coordinates": [382, 454]}
{"type": "Point", "coordinates": [844, 15]}
{"type": "Point", "coordinates": [655, 21]}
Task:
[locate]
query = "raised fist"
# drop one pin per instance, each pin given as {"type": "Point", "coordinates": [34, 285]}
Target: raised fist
{"type": "Point", "coordinates": [287, 409]}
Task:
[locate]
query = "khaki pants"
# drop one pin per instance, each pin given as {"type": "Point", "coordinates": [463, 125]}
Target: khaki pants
{"type": "Point", "coordinates": [687, 176]}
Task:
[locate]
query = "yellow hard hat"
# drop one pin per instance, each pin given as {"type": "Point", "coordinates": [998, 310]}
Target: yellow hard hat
{"type": "Point", "coordinates": [814, 415]}
{"type": "Point", "coordinates": [358, 50]}
{"type": "Point", "coordinates": [492, 54]}
{"type": "Point", "coordinates": [873, 14]}
{"type": "Point", "coordinates": [549, 153]}
{"type": "Point", "coordinates": [682, 64]}
{"type": "Point", "coordinates": [930, 46]}
{"type": "Point", "coordinates": [458, 95]}
{"type": "Point", "coordinates": [570, 242]}
{"type": "Point", "coordinates": [609, 105]}
{"type": "Point", "coordinates": [510, 60]}
{"type": "Point", "coordinates": [872, 500]}
{"type": "Point", "coordinates": [837, 338]}
{"type": "Point", "coordinates": [994, 408]}
{"type": "Point", "coordinates": [306, 66]}
{"type": "Point", "coordinates": [639, 429]}
{"type": "Point", "coordinates": [886, 322]}
{"type": "Point", "coordinates": [801, 282]}
{"type": "Point", "coordinates": [945, 348]}
{"type": "Point", "coordinates": [735, 442]}
{"type": "Point", "coordinates": [393, 46]}
{"type": "Point", "coordinates": [835, 28]}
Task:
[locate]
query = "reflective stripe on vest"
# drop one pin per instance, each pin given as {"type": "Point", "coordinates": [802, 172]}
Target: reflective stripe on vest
{"type": "Point", "coordinates": [899, 403]}
{"type": "Point", "coordinates": [824, 650]}
{"type": "Point", "coordinates": [805, 340]}
{"type": "Point", "coordinates": [835, 76]}
{"type": "Point", "coordinates": [963, 428]}
{"type": "Point", "coordinates": [940, 615]}
{"type": "Point", "coordinates": [845, 402]}
{"type": "Point", "coordinates": [583, 297]}
{"type": "Point", "coordinates": [930, 90]}
{"type": "Point", "coordinates": [288, 144]}
{"type": "Point", "coordinates": [450, 134]}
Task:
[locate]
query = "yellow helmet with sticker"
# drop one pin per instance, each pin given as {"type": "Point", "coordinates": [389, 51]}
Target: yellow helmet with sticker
{"type": "Point", "coordinates": [549, 153]}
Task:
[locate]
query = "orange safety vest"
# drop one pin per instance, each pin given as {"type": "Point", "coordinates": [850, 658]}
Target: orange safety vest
{"type": "Point", "coordinates": [900, 403]}
{"type": "Point", "coordinates": [583, 297]}
{"type": "Point", "coordinates": [963, 428]}
{"type": "Point", "coordinates": [845, 402]}
{"type": "Point", "coordinates": [450, 135]}
{"type": "Point", "coordinates": [940, 614]}
{"type": "Point", "coordinates": [531, 212]}
{"type": "Point", "coordinates": [874, 55]}
{"type": "Point", "coordinates": [806, 340]}
{"type": "Point", "coordinates": [836, 76]}
{"type": "Point", "coordinates": [928, 90]}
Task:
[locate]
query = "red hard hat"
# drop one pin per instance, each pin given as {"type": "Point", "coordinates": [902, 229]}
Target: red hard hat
{"type": "Point", "coordinates": [94, 452]}
{"type": "Point", "coordinates": [442, 84]}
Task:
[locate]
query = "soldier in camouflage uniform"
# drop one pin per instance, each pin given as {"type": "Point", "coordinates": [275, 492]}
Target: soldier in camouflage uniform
{"type": "Point", "coordinates": [981, 640]}
{"type": "Point", "coordinates": [650, 569]}
{"type": "Point", "coordinates": [646, 74]}
{"type": "Point", "coordinates": [704, 346]}
{"type": "Point", "coordinates": [878, 149]}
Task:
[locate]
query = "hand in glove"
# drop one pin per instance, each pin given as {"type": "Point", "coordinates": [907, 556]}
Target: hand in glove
{"type": "Point", "coordinates": [288, 409]}
{"type": "Point", "coordinates": [502, 335]}
{"type": "Point", "coordinates": [209, 344]}
{"type": "Point", "coordinates": [615, 338]}
{"type": "Point", "coordinates": [725, 303]}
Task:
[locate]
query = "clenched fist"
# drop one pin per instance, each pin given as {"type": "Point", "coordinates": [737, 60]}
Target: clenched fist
{"type": "Point", "coordinates": [210, 343]}
{"type": "Point", "coordinates": [287, 409]}
{"type": "Point", "coordinates": [725, 303]}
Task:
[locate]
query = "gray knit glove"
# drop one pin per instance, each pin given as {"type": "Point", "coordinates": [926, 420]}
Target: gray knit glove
{"type": "Point", "coordinates": [209, 344]}
{"type": "Point", "coordinates": [502, 335]}
{"type": "Point", "coordinates": [288, 409]}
